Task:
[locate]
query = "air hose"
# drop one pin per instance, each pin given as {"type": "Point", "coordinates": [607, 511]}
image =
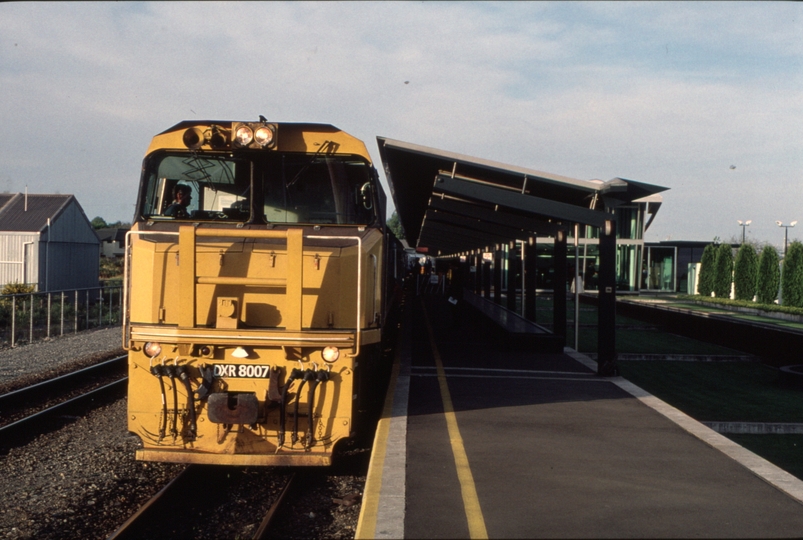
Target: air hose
{"type": "Point", "coordinates": [185, 378]}
{"type": "Point", "coordinates": [295, 374]}
{"type": "Point", "coordinates": [171, 371]}
{"type": "Point", "coordinates": [158, 371]}
{"type": "Point", "coordinates": [321, 376]}
{"type": "Point", "coordinates": [309, 375]}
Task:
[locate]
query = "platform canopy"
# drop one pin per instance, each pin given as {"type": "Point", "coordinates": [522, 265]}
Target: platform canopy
{"type": "Point", "coordinates": [450, 203]}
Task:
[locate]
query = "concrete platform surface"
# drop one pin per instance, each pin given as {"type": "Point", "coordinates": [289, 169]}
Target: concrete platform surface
{"type": "Point", "coordinates": [480, 441]}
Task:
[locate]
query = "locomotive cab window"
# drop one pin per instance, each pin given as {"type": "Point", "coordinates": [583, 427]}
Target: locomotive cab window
{"type": "Point", "coordinates": [195, 187]}
{"type": "Point", "coordinates": [318, 190]}
{"type": "Point", "coordinates": [293, 188]}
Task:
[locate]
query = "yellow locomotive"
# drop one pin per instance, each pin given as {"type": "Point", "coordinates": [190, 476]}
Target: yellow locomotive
{"type": "Point", "coordinates": [255, 293]}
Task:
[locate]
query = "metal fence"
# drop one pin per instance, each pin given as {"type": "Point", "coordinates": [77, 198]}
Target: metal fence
{"type": "Point", "coordinates": [28, 317]}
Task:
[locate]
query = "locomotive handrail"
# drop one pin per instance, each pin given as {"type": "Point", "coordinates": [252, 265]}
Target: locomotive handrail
{"type": "Point", "coordinates": [256, 282]}
{"type": "Point", "coordinates": [243, 233]}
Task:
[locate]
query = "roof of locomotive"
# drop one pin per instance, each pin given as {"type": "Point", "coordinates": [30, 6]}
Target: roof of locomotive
{"type": "Point", "coordinates": [302, 137]}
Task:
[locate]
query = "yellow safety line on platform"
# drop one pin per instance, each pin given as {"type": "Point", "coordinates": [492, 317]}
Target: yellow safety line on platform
{"type": "Point", "coordinates": [471, 502]}
{"type": "Point", "coordinates": [366, 524]}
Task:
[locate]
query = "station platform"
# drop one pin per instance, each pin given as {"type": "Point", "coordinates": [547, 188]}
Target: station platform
{"type": "Point", "coordinates": [479, 440]}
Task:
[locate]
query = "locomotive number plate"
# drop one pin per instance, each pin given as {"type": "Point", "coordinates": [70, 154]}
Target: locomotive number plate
{"type": "Point", "coordinates": [242, 371]}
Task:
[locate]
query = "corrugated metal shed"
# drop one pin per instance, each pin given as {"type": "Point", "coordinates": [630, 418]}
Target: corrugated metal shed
{"type": "Point", "coordinates": [47, 240]}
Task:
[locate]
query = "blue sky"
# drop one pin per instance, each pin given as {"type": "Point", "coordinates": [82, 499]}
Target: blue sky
{"type": "Point", "coordinates": [670, 93]}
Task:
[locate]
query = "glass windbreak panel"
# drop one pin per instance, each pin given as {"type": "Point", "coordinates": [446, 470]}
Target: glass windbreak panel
{"type": "Point", "coordinates": [319, 190]}
{"type": "Point", "coordinates": [627, 267]}
{"type": "Point", "coordinates": [659, 269]}
{"type": "Point", "coordinates": [196, 187]}
{"type": "Point", "coordinates": [545, 269]}
{"type": "Point", "coordinates": [589, 266]}
{"type": "Point", "coordinates": [586, 263]}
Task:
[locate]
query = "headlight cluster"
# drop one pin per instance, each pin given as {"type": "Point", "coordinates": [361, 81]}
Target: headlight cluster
{"type": "Point", "coordinates": [254, 135]}
{"type": "Point", "coordinates": [243, 135]}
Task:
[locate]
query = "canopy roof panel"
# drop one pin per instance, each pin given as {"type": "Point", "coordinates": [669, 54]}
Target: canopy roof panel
{"type": "Point", "coordinates": [452, 202]}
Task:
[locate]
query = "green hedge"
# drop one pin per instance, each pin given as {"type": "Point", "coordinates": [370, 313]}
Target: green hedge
{"type": "Point", "coordinates": [745, 271]}
{"type": "Point", "coordinates": [769, 308]}
{"type": "Point", "coordinates": [792, 276]}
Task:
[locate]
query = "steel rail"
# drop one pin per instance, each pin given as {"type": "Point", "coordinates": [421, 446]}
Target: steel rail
{"type": "Point", "coordinates": [8, 432]}
{"type": "Point", "coordinates": [26, 393]}
{"type": "Point", "coordinates": [129, 529]}
{"type": "Point", "coordinates": [262, 532]}
{"type": "Point", "coordinates": [173, 500]}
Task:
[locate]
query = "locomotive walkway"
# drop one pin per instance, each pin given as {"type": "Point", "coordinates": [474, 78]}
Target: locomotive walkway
{"type": "Point", "coordinates": [481, 441]}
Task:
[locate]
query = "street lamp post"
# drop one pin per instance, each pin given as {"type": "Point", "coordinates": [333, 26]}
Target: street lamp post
{"type": "Point", "coordinates": [785, 233]}
{"type": "Point", "coordinates": [744, 224]}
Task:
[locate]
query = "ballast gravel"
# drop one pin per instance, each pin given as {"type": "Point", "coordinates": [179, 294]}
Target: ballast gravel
{"type": "Point", "coordinates": [26, 364]}
{"type": "Point", "coordinates": [81, 481]}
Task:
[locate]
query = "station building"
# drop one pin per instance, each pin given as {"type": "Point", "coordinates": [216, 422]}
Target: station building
{"type": "Point", "coordinates": [639, 266]}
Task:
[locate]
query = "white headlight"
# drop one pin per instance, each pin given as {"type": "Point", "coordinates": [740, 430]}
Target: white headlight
{"type": "Point", "coordinates": [330, 354]}
{"type": "Point", "coordinates": [264, 136]}
{"type": "Point", "coordinates": [243, 136]}
{"type": "Point", "coordinates": [152, 349]}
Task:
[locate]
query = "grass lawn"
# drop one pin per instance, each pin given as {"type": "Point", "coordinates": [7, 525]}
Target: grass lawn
{"type": "Point", "coordinates": [646, 342]}
{"type": "Point", "coordinates": [729, 392]}
{"type": "Point", "coordinates": [785, 451]}
{"type": "Point", "coordinates": [719, 391]}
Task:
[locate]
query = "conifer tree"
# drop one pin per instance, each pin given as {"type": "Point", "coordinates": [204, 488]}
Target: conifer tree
{"type": "Point", "coordinates": [723, 271]}
{"type": "Point", "coordinates": [705, 281]}
{"type": "Point", "coordinates": [769, 276]}
{"type": "Point", "coordinates": [792, 276]}
{"type": "Point", "coordinates": [745, 270]}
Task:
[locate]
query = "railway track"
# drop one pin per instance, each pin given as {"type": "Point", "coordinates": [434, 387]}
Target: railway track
{"type": "Point", "coordinates": [30, 411]}
{"type": "Point", "coordinates": [212, 502]}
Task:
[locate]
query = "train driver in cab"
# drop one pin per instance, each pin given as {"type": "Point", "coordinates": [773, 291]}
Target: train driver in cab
{"type": "Point", "coordinates": [182, 195]}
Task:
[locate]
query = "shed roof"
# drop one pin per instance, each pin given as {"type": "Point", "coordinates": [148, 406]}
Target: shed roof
{"type": "Point", "coordinates": [29, 213]}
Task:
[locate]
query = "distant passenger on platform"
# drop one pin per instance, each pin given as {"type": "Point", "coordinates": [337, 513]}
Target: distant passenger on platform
{"type": "Point", "coordinates": [182, 195]}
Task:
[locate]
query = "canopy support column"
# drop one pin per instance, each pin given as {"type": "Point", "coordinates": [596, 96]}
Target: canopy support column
{"type": "Point", "coordinates": [559, 285]}
{"type": "Point", "coordinates": [486, 279]}
{"type": "Point", "coordinates": [606, 314]}
{"type": "Point", "coordinates": [498, 257]}
{"type": "Point", "coordinates": [476, 260]}
{"type": "Point", "coordinates": [529, 273]}
{"type": "Point", "coordinates": [512, 270]}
